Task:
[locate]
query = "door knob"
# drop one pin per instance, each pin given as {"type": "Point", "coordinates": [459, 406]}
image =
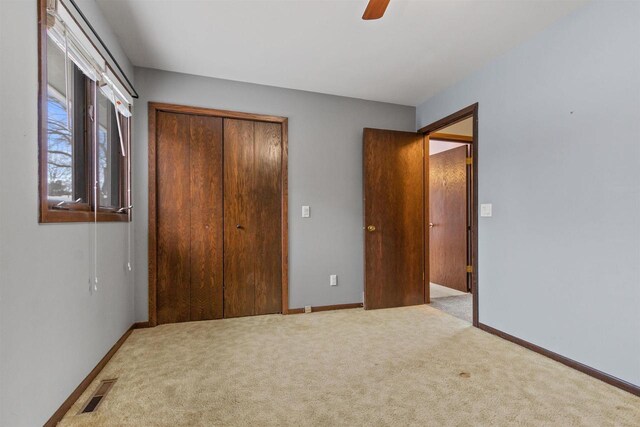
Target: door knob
{"type": "Point", "coordinates": [430, 225]}
{"type": "Point", "coordinates": [238, 226]}
{"type": "Point", "coordinates": [371, 228]}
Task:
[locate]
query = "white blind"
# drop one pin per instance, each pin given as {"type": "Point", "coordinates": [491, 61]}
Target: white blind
{"type": "Point", "coordinates": [113, 91]}
{"type": "Point", "coordinates": [67, 34]}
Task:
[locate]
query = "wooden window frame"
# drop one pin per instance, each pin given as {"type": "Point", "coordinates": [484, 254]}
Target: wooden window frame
{"type": "Point", "coordinates": [83, 212]}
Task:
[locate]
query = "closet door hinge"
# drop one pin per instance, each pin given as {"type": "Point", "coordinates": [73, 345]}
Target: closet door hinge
{"type": "Point", "coordinates": [469, 269]}
{"type": "Point", "coordinates": [469, 160]}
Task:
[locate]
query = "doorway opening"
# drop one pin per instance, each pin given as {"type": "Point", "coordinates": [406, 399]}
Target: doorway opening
{"type": "Point", "coordinates": [451, 229]}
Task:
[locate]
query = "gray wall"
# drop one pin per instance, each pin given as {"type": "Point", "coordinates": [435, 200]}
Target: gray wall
{"type": "Point", "coordinates": [53, 330]}
{"type": "Point", "coordinates": [325, 172]}
{"type": "Point", "coordinates": [559, 129]}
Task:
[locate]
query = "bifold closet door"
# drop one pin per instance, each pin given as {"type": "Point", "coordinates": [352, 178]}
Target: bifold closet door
{"type": "Point", "coordinates": [189, 218]}
{"type": "Point", "coordinates": [253, 217]}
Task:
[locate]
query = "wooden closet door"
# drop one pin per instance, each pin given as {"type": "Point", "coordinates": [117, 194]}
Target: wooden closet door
{"type": "Point", "coordinates": [252, 211]}
{"type": "Point", "coordinates": [206, 296]}
{"type": "Point", "coordinates": [268, 190]}
{"type": "Point", "coordinates": [189, 218]}
{"type": "Point", "coordinates": [174, 218]}
{"type": "Point", "coordinates": [239, 275]}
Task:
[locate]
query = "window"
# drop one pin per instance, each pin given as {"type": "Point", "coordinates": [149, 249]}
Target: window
{"type": "Point", "coordinates": [67, 151]}
{"type": "Point", "coordinates": [111, 153]}
{"type": "Point", "coordinates": [85, 127]}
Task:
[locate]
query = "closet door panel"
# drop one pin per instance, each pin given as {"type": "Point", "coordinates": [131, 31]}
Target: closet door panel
{"type": "Point", "coordinates": [239, 221]}
{"type": "Point", "coordinates": [206, 299]}
{"type": "Point", "coordinates": [268, 217]}
{"type": "Point", "coordinates": [173, 218]}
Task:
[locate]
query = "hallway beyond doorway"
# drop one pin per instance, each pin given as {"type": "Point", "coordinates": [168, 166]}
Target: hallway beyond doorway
{"type": "Point", "coordinates": [452, 301]}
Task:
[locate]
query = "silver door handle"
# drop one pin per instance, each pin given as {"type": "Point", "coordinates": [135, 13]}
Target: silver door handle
{"type": "Point", "coordinates": [430, 225]}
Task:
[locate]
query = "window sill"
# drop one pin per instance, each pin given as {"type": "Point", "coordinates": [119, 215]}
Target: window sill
{"type": "Point", "coordinates": [48, 216]}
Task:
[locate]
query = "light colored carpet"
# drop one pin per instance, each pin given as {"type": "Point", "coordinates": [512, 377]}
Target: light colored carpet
{"type": "Point", "coordinates": [460, 306]}
{"type": "Point", "coordinates": [439, 291]}
{"type": "Point", "coordinates": [413, 366]}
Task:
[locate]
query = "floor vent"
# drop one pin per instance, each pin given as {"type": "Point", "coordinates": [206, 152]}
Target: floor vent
{"type": "Point", "coordinates": [97, 397]}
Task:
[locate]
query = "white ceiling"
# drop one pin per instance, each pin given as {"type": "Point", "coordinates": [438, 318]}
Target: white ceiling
{"type": "Point", "coordinates": [417, 49]}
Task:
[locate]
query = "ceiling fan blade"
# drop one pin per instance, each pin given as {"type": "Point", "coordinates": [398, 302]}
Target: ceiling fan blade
{"type": "Point", "coordinates": [375, 9]}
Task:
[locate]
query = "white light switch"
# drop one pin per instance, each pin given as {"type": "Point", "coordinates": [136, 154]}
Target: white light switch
{"type": "Point", "coordinates": [333, 280]}
{"type": "Point", "coordinates": [305, 212]}
{"type": "Point", "coordinates": [485, 209]}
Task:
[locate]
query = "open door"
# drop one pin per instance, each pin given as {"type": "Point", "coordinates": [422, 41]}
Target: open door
{"type": "Point", "coordinates": [448, 208]}
{"type": "Point", "coordinates": [394, 218]}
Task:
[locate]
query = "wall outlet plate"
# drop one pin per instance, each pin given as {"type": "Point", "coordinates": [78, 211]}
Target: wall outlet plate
{"type": "Point", "coordinates": [306, 213]}
{"type": "Point", "coordinates": [486, 210]}
{"type": "Point", "coordinates": [333, 280]}
{"type": "Point", "coordinates": [307, 309]}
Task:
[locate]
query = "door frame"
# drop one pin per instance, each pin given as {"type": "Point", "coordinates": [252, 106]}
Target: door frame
{"type": "Point", "coordinates": [153, 109]}
{"type": "Point", "coordinates": [470, 111]}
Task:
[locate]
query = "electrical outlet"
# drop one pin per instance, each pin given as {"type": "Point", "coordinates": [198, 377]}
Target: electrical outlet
{"type": "Point", "coordinates": [333, 280]}
{"type": "Point", "coordinates": [306, 213]}
{"type": "Point", "coordinates": [307, 309]}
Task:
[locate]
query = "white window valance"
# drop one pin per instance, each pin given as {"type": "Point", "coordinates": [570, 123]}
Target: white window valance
{"type": "Point", "coordinates": [63, 29]}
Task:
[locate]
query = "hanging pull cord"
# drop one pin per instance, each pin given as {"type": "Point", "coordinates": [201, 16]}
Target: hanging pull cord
{"type": "Point", "coordinates": [67, 99]}
{"type": "Point", "coordinates": [129, 268]}
{"type": "Point", "coordinates": [96, 188]}
{"type": "Point", "coordinates": [124, 154]}
{"type": "Point", "coordinates": [127, 209]}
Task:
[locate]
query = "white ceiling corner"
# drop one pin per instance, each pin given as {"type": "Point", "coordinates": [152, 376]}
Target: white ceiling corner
{"type": "Point", "coordinates": [416, 50]}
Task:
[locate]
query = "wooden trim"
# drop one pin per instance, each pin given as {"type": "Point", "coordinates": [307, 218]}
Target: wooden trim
{"type": "Point", "coordinates": [53, 216]}
{"type": "Point", "coordinates": [326, 308]}
{"type": "Point", "coordinates": [451, 119]}
{"type": "Point", "coordinates": [474, 221]}
{"type": "Point", "coordinates": [153, 109]}
{"type": "Point", "coordinates": [42, 107]}
{"type": "Point", "coordinates": [140, 325]}
{"type": "Point", "coordinates": [451, 137]}
{"type": "Point", "coordinates": [153, 215]}
{"type": "Point", "coordinates": [426, 244]}
{"type": "Point", "coordinates": [75, 395]}
{"type": "Point", "coordinates": [184, 109]}
{"type": "Point", "coordinates": [285, 216]}
{"type": "Point", "coordinates": [592, 372]}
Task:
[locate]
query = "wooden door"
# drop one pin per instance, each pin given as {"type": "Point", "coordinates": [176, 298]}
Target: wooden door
{"type": "Point", "coordinates": [448, 218]}
{"type": "Point", "coordinates": [189, 217]}
{"type": "Point", "coordinates": [205, 159]}
{"type": "Point", "coordinates": [394, 218]}
{"type": "Point", "coordinates": [253, 217]}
